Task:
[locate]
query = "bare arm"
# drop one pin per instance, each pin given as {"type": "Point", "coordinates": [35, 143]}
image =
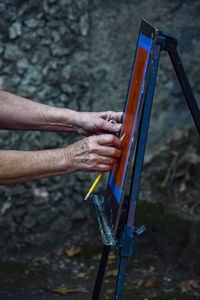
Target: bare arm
{"type": "Point", "coordinates": [95, 153]}
{"type": "Point", "coordinates": [19, 166]}
{"type": "Point", "coordinates": [90, 154]}
{"type": "Point", "coordinates": [23, 114]}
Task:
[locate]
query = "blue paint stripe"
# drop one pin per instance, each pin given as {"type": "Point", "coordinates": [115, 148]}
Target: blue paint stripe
{"type": "Point", "coordinates": [146, 43]}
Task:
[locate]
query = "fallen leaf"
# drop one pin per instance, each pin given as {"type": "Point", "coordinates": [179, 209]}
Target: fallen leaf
{"type": "Point", "coordinates": [81, 275]}
{"type": "Point", "coordinates": [112, 256]}
{"type": "Point", "coordinates": [66, 290]}
{"type": "Point", "coordinates": [139, 282]}
{"type": "Point", "coordinates": [150, 283]}
{"type": "Point", "coordinates": [189, 285]}
{"type": "Point", "coordinates": [113, 272]}
{"type": "Point", "coordinates": [73, 250]}
{"type": "Point", "coordinates": [111, 259]}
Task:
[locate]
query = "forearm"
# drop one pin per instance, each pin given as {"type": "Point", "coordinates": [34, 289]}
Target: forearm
{"type": "Point", "coordinates": [23, 114]}
{"type": "Point", "coordinates": [93, 154]}
{"type": "Point", "coordinates": [20, 166]}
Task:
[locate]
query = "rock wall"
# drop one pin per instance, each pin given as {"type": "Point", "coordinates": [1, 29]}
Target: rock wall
{"type": "Point", "coordinates": [78, 54]}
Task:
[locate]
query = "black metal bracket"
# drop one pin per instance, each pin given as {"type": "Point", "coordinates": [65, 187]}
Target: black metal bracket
{"type": "Point", "coordinates": [127, 242]}
{"type": "Point", "coordinates": [166, 41]}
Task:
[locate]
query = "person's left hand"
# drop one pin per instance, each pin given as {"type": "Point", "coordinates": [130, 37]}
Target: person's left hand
{"type": "Point", "coordinates": [89, 123]}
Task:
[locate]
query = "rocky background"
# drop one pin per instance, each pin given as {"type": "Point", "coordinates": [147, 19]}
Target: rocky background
{"type": "Point", "coordinates": [78, 54]}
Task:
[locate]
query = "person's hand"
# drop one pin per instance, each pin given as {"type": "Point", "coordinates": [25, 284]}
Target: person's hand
{"type": "Point", "coordinates": [89, 123]}
{"type": "Point", "coordinates": [96, 153]}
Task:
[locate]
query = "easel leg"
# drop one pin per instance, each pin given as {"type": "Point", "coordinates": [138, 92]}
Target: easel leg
{"type": "Point", "coordinates": [121, 278]}
{"type": "Point", "coordinates": [169, 44]}
{"type": "Point", "coordinates": [101, 272]}
{"type": "Point", "coordinates": [186, 88]}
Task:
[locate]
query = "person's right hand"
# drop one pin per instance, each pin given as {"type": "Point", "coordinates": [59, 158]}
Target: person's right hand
{"type": "Point", "coordinates": [96, 153]}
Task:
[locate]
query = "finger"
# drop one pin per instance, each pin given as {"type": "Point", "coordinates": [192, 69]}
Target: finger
{"type": "Point", "coordinates": [101, 161]}
{"type": "Point", "coordinates": [109, 139]}
{"type": "Point", "coordinates": [117, 116]}
{"type": "Point", "coordinates": [106, 160]}
{"type": "Point", "coordinates": [112, 115]}
{"type": "Point", "coordinates": [112, 151]}
{"type": "Point", "coordinates": [105, 125]}
{"type": "Point", "coordinates": [105, 168]}
{"type": "Point", "coordinates": [109, 152]}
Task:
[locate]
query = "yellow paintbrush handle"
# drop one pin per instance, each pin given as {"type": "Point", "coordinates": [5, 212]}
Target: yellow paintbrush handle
{"type": "Point", "coordinates": [93, 186]}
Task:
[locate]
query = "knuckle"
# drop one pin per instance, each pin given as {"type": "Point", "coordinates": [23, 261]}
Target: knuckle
{"type": "Point", "coordinates": [93, 149]}
{"type": "Point", "coordinates": [93, 158]}
{"type": "Point", "coordinates": [90, 143]}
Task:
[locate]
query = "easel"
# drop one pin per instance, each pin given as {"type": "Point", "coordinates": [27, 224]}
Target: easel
{"type": "Point", "coordinates": [126, 244]}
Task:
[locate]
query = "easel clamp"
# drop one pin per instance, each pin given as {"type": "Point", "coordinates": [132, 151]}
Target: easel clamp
{"type": "Point", "coordinates": [128, 245]}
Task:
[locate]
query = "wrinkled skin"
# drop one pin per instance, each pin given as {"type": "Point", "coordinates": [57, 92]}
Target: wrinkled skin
{"type": "Point", "coordinates": [97, 152]}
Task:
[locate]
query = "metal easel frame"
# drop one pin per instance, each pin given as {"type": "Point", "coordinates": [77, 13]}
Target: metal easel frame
{"type": "Point", "coordinates": [126, 244]}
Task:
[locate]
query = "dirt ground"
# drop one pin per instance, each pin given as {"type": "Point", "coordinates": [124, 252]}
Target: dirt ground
{"type": "Point", "coordinates": [166, 267]}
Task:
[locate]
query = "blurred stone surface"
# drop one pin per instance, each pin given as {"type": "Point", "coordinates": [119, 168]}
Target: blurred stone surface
{"type": "Point", "coordinates": [15, 30]}
{"type": "Point", "coordinates": [78, 54]}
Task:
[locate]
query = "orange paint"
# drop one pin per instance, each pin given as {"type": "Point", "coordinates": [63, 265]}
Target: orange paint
{"type": "Point", "coordinates": [131, 109]}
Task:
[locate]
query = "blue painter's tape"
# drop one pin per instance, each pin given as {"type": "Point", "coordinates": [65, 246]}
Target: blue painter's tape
{"type": "Point", "coordinates": [145, 42]}
{"type": "Point", "coordinates": [114, 187]}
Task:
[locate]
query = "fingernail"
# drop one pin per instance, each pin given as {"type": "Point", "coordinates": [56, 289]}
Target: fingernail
{"type": "Point", "coordinates": [122, 139]}
{"type": "Point", "coordinates": [119, 126]}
